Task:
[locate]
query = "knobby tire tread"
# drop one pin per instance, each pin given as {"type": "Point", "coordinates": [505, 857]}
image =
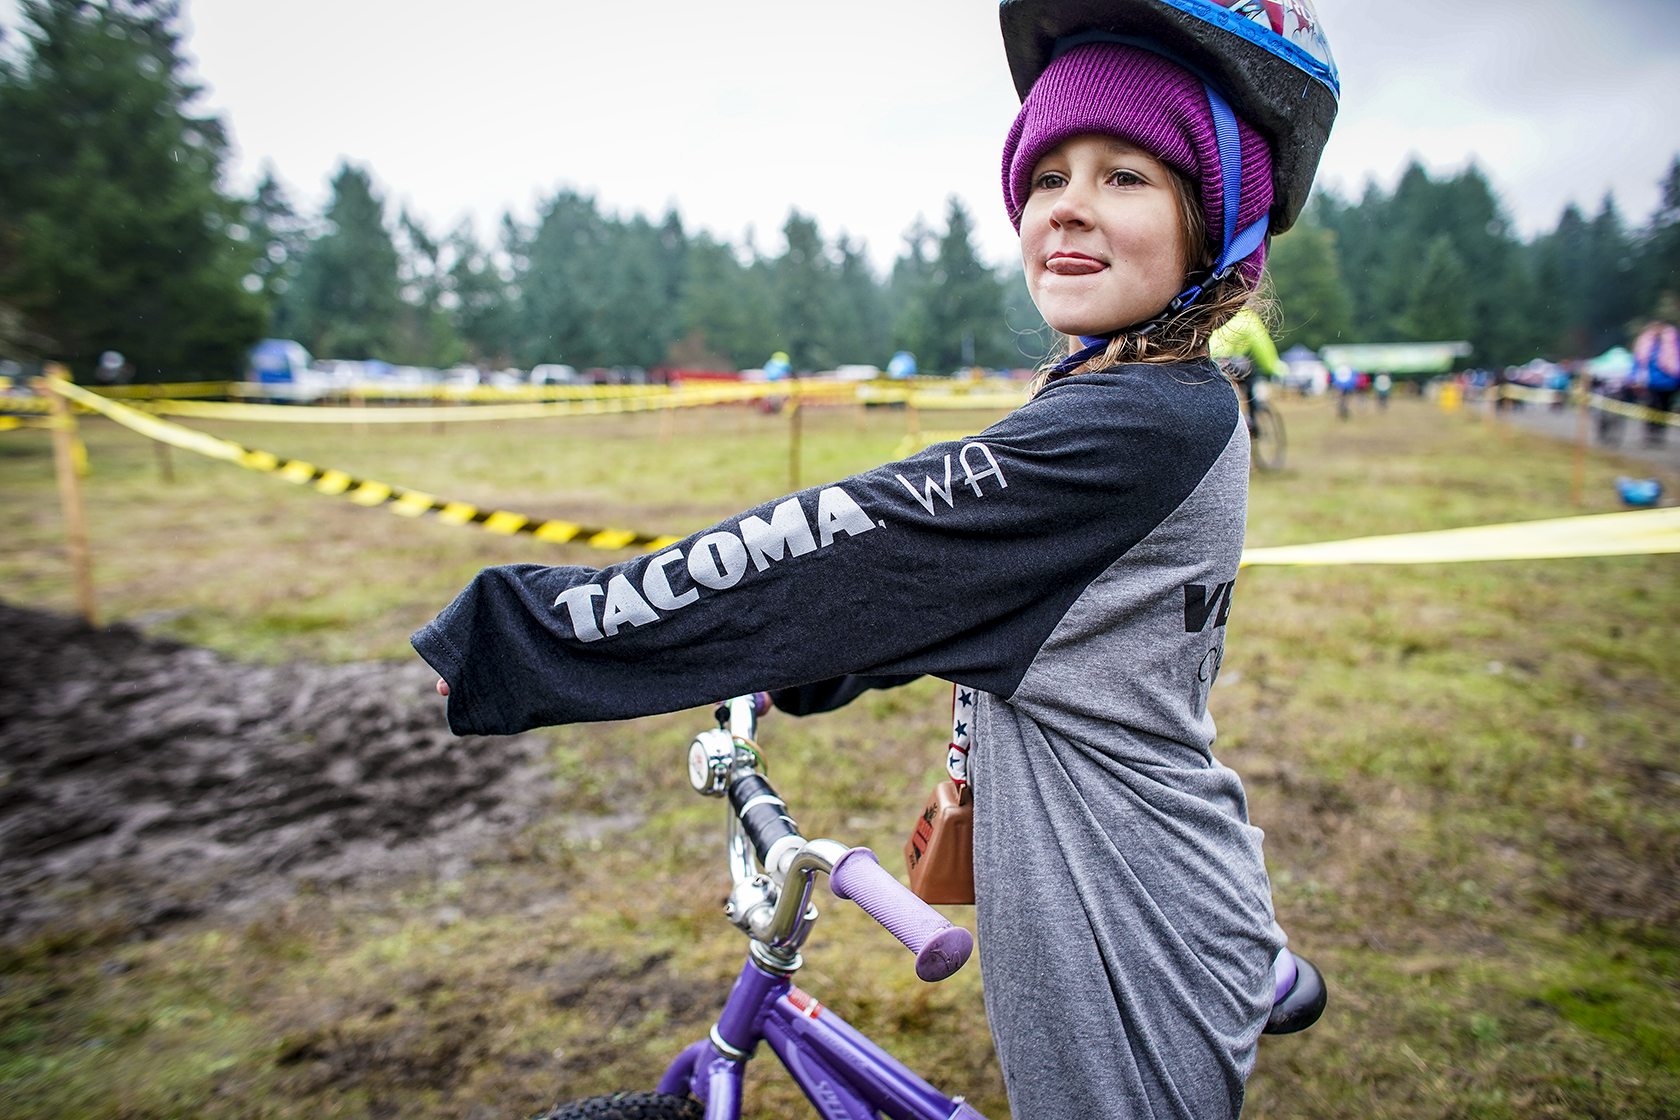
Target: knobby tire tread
{"type": "Point", "coordinates": [627, 1106]}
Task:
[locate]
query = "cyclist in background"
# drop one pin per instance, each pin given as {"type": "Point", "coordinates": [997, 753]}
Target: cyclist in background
{"type": "Point", "coordinates": [1244, 341]}
{"type": "Point", "coordinates": [1656, 367]}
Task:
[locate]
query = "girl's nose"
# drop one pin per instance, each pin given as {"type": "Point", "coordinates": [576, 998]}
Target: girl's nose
{"type": "Point", "coordinates": [1072, 208]}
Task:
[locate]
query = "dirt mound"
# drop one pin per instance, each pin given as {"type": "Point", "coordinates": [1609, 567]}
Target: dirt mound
{"type": "Point", "coordinates": [149, 780]}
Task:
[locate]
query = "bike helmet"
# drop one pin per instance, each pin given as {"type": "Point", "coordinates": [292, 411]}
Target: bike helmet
{"type": "Point", "coordinates": [1268, 58]}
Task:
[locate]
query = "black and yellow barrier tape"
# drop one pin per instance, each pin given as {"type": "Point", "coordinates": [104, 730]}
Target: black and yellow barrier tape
{"type": "Point", "coordinates": [1634, 411]}
{"type": "Point", "coordinates": [363, 491]}
{"type": "Point", "coordinates": [1608, 534]}
{"type": "Point", "coordinates": [1599, 402]}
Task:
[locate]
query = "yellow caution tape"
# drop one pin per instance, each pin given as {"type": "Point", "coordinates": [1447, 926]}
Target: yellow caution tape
{"type": "Point", "coordinates": [1603, 534]}
{"type": "Point", "coordinates": [1635, 411]}
{"type": "Point", "coordinates": [1599, 402]}
{"type": "Point", "coordinates": [31, 423]}
{"type": "Point", "coordinates": [1610, 534]}
{"type": "Point", "coordinates": [645, 401]}
{"type": "Point", "coordinates": [380, 390]}
{"type": "Point", "coordinates": [362, 491]}
{"type": "Point", "coordinates": [979, 402]}
{"type": "Point", "coordinates": [153, 392]}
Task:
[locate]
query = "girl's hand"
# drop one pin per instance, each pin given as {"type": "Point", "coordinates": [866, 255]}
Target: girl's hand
{"type": "Point", "coordinates": [442, 687]}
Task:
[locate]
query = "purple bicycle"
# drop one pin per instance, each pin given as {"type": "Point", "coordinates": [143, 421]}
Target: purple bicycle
{"type": "Point", "coordinates": [844, 1074]}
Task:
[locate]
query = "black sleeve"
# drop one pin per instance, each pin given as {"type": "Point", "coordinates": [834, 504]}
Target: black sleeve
{"type": "Point", "coordinates": [958, 562]}
{"type": "Point", "coordinates": [825, 696]}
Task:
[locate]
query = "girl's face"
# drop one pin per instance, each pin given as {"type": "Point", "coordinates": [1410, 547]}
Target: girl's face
{"type": "Point", "coordinates": [1102, 238]}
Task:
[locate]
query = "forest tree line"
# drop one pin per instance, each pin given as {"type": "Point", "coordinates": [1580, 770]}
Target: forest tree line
{"type": "Point", "coordinates": [117, 232]}
{"type": "Point", "coordinates": [587, 288]}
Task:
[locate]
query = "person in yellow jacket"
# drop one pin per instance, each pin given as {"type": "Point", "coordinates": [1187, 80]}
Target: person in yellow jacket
{"type": "Point", "coordinates": [1244, 346]}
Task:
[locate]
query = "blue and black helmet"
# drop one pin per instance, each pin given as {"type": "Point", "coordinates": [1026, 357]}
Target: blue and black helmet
{"type": "Point", "coordinates": [1269, 58]}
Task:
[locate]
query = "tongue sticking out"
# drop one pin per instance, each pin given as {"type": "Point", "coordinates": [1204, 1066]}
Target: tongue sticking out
{"type": "Point", "coordinates": [1073, 266]}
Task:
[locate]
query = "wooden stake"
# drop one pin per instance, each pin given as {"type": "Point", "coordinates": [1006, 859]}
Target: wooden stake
{"type": "Point", "coordinates": [1578, 482]}
{"type": "Point", "coordinates": [70, 488]}
{"type": "Point", "coordinates": [796, 426]}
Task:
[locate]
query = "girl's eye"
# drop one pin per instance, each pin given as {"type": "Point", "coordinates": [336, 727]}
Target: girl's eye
{"type": "Point", "coordinates": [1124, 178]}
{"type": "Point", "coordinates": [1050, 180]}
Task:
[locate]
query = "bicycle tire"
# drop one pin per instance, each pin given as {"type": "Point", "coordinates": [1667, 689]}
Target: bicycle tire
{"type": "Point", "coordinates": [1270, 442]}
{"type": "Point", "coordinates": [627, 1106]}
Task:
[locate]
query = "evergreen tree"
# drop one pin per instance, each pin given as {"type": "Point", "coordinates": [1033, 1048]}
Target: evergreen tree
{"type": "Point", "coordinates": [113, 234]}
{"type": "Point", "coordinates": [1308, 284]}
{"type": "Point", "coordinates": [425, 331]}
{"type": "Point", "coordinates": [726, 308]}
{"type": "Point", "coordinates": [346, 301]}
{"type": "Point", "coordinates": [479, 299]}
{"type": "Point", "coordinates": [1659, 253]}
{"type": "Point", "coordinates": [277, 239]}
{"type": "Point", "coordinates": [907, 293]}
{"type": "Point", "coordinates": [1438, 305]}
{"type": "Point", "coordinates": [803, 280]}
{"type": "Point", "coordinates": [859, 312]}
{"type": "Point", "coordinates": [560, 301]}
{"type": "Point", "coordinates": [963, 302]}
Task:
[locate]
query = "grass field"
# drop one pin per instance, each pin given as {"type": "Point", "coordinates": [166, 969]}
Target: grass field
{"type": "Point", "coordinates": [1469, 777]}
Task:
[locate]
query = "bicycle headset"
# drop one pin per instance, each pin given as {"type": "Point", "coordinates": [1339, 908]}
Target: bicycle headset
{"type": "Point", "coordinates": [1267, 60]}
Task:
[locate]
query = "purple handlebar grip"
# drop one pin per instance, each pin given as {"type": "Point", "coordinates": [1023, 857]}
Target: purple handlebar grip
{"type": "Point", "coordinates": [1284, 971]}
{"type": "Point", "coordinates": [940, 947]}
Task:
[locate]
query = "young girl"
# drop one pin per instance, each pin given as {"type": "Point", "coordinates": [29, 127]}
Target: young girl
{"type": "Point", "coordinates": [1074, 564]}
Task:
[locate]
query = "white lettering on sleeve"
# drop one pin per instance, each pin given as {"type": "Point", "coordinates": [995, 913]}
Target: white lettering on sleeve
{"type": "Point", "coordinates": [787, 531]}
{"type": "Point", "coordinates": [718, 560]}
{"type": "Point", "coordinates": [624, 606]}
{"type": "Point", "coordinates": [838, 513]}
{"type": "Point", "coordinates": [972, 479]}
{"type": "Point", "coordinates": [931, 488]}
{"type": "Point", "coordinates": [580, 601]}
{"type": "Point", "coordinates": [656, 583]}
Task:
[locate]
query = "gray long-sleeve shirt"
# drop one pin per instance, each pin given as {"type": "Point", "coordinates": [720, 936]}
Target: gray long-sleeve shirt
{"type": "Point", "coordinates": [1075, 563]}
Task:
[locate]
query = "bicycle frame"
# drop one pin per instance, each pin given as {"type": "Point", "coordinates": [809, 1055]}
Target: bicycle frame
{"type": "Point", "coordinates": [843, 1074]}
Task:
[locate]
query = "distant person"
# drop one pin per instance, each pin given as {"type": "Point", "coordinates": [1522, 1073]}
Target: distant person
{"type": "Point", "coordinates": [1384, 385]}
{"type": "Point", "coordinates": [1614, 381]}
{"type": "Point", "coordinates": [1345, 382]}
{"type": "Point", "coordinates": [1656, 367]}
{"type": "Point", "coordinates": [1247, 346]}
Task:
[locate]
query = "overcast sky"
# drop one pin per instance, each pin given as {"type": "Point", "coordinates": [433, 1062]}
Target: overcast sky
{"type": "Point", "coordinates": [866, 113]}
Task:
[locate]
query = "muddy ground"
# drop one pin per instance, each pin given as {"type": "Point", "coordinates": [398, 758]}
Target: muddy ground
{"type": "Point", "coordinates": [143, 781]}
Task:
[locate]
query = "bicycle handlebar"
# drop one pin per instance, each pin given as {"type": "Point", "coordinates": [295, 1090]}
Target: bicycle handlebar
{"type": "Point", "coordinates": [940, 947]}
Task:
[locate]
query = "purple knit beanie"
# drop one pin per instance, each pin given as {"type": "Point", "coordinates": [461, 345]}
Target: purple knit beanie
{"type": "Point", "coordinates": [1147, 100]}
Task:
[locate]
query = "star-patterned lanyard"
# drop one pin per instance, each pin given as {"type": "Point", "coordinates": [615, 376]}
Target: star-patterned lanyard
{"type": "Point", "coordinates": [962, 734]}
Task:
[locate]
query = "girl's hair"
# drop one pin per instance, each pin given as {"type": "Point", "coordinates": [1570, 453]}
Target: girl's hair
{"type": "Point", "coordinates": [1184, 337]}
